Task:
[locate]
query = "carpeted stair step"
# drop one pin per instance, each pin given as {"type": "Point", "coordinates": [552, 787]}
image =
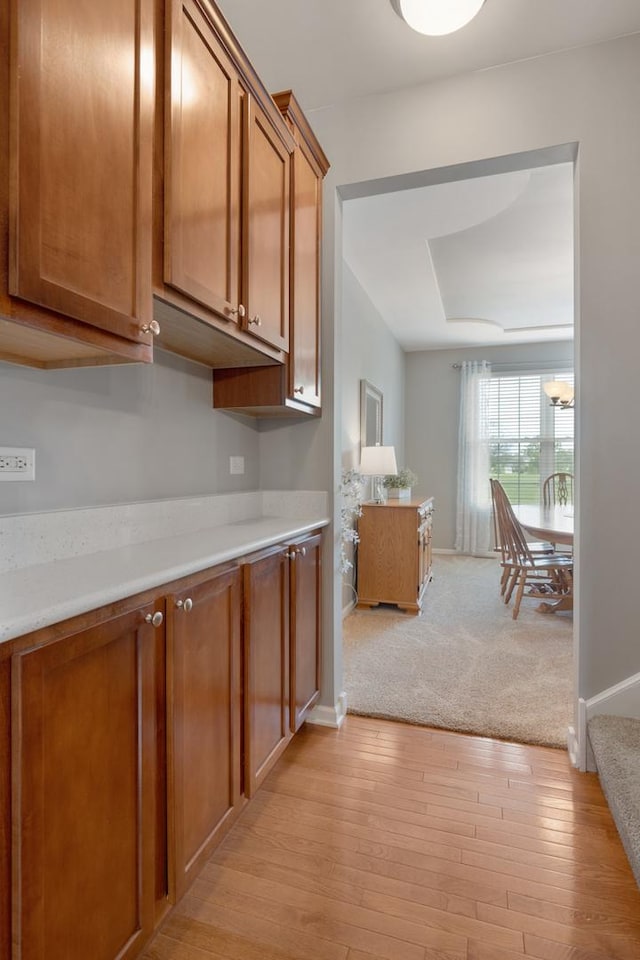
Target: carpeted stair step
{"type": "Point", "coordinates": [616, 747]}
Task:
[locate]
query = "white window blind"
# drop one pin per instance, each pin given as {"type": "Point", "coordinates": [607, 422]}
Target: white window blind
{"type": "Point", "coordinates": [528, 438]}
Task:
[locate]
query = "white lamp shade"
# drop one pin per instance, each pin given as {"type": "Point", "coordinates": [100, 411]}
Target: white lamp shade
{"type": "Point", "coordinates": [378, 461]}
{"type": "Point", "coordinates": [437, 17]}
{"type": "Point", "coordinates": [558, 390]}
{"type": "Point", "coordinates": [552, 389]}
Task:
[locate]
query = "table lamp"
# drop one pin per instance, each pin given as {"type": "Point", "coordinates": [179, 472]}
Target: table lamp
{"type": "Point", "coordinates": [377, 462]}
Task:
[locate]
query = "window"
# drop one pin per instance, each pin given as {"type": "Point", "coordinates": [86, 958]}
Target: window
{"type": "Point", "coordinates": [528, 438]}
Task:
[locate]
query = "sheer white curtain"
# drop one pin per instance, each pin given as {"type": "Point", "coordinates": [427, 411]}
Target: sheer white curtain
{"type": "Point", "coordinates": [473, 517]}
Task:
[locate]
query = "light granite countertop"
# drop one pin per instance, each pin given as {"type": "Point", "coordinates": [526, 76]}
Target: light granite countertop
{"type": "Point", "coordinates": [34, 595]}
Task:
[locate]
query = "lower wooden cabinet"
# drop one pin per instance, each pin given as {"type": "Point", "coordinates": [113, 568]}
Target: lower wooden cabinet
{"type": "Point", "coordinates": [394, 553]}
{"type": "Point", "coordinates": [282, 644]}
{"type": "Point", "coordinates": [132, 736]}
{"type": "Point", "coordinates": [203, 721]}
{"type": "Point", "coordinates": [266, 644]}
{"type": "Point", "coordinates": [83, 751]}
{"type": "Point", "coordinates": [305, 624]}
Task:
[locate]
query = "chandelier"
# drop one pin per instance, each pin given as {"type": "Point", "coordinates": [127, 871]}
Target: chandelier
{"type": "Point", "coordinates": [560, 393]}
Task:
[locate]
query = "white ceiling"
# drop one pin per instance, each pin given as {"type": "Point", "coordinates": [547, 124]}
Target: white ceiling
{"type": "Point", "coordinates": [482, 261]}
{"type": "Point", "coordinates": [475, 262]}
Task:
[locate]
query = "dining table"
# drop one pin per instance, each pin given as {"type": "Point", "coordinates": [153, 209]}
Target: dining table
{"type": "Point", "coordinates": [554, 524]}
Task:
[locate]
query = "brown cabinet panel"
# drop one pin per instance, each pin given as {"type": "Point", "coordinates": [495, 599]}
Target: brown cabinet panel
{"type": "Point", "coordinates": [304, 363]}
{"type": "Point", "coordinates": [83, 746]}
{"type": "Point", "coordinates": [267, 231]}
{"type": "Point", "coordinates": [204, 720]}
{"type": "Point", "coordinates": [394, 553]}
{"type": "Point", "coordinates": [306, 637]}
{"type": "Point", "coordinates": [81, 158]}
{"type": "Point", "coordinates": [292, 390]}
{"type": "Point", "coordinates": [203, 155]}
{"type": "Point", "coordinates": [266, 646]}
{"type": "Point", "coordinates": [5, 809]}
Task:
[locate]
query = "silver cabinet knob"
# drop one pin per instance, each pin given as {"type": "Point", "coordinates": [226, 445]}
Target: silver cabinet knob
{"type": "Point", "coordinates": [152, 327]}
{"type": "Point", "coordinates": [186, 605]}
{"type": "Point", "coordinates": [155, 619]}
{"type": "Point", "coordinates": [299, 390]}
{"type": "Point", "coordinates": [296, 552]}
{"type": "Point", "coordinates": [257, 320]}
{"type": "Point", "coordinates": [238, 311]}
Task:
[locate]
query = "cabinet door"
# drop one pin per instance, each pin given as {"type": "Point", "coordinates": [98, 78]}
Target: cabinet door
{"type": "Point", "coordinates": [202, 163]}
{"type": "Point", "coordinates": [83, 746]}
{"type": "Point", "coordinates": [305, 627]}
{"type": "Point", "coordinates": [81, 157]}
{"type": "Point", "coordinates": [267, 231]}
{"type": "Point", "coordinates": [203, 709]}
{"type": "Point", "coordinates": [266, 638]}
{"type": "Point", "coordinates": [304, 357]}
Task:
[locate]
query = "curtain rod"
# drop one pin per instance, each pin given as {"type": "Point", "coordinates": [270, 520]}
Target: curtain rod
{"type": "Point", "coordinates": [512, 365]}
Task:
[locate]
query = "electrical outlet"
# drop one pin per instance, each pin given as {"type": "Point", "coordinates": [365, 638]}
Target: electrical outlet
{"type": "Point", "coordinates": [17, 463]}
{"type": "Point", "coordinates": [236, 464]}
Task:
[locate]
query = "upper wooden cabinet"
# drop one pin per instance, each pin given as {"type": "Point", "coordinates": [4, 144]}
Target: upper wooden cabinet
{"type": "Point", "coordinates": [202, 161]}
{"type": "Point", "coordinates": [266, 283]}
{"type": "Point", "coordinates": [222, 212]}
{"type": "Point", "coordinates": [292, 389]}
{"type": "Point", "coordinates": [76, 125]}
{"type": "Point", "coordinates": [149, 185]}
{"type": "Point", "coordinates": [308, 171]}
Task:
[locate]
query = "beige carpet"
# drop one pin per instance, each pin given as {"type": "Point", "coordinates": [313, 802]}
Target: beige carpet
{"type": "Point", "coordinates": [464, 664]}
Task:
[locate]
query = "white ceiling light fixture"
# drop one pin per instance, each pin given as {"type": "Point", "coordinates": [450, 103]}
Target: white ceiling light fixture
{"type": "Point", "coordinates": [436, 17]}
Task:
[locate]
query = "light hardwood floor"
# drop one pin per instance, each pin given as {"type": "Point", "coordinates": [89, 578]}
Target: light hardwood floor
{"type": "Point", "coordinates": [405, 843]}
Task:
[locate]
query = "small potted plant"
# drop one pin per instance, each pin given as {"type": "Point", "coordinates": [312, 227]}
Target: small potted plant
{"type": "Point", "coordinates": [398, 486]}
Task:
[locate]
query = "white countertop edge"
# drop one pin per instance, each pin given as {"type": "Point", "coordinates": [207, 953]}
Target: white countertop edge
{"type": "Point", "coordinates": [66, 588]}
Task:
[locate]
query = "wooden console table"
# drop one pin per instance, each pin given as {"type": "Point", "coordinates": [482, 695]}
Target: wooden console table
{"type": "Point", "coordinates": [394, 553]}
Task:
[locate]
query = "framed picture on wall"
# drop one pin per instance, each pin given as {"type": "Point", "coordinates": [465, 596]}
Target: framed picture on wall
{"type": "Point", "coordinates": [370, 415]}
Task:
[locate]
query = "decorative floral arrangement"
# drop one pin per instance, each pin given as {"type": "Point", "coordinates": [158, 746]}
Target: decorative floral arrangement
{"type": "Point", "coordinates": [350, 510]}
{"type": "Point", "coordinates": [403, 480]}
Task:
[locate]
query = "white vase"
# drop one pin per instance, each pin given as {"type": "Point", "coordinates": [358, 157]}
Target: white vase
{"type": "Point", "coordinates": [399, 493]}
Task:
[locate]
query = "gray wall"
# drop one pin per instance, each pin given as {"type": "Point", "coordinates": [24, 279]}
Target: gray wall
{"type": "Point", "coordinates": [120, 434]}
{"type": "Point", "coordinates": [369, 352]}
{"type": "Point", "coordinates": [432, 409]}
{"type": "Point", "coordinates": [586, 96]}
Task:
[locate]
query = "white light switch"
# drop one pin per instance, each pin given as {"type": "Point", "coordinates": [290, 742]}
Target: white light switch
{"type": "Point", "coordinates": [236, 464]}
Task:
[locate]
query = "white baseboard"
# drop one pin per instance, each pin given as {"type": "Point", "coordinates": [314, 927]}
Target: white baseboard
{"type": "Point", "coordinates": [444, 550]}
{"type": "Point", "coordinates": [621, 700]}
{"type": "Point", "coordinates": [333, 716]}
{"type": "Point", "coordinates": [573, 747]}
{"type": "Point", "coordinates": [349, 607]}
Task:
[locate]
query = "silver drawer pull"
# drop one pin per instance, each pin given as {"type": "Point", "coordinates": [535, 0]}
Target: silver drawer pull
{"type": "Point", "coordinates": [239, 310]}
{"type": "Point", "coordinates": [152, 327]}
{"type": "Point", "coordinates": [299, 390]}
{"type": "Point", "coordinates": [155, 619]}
{"type": "Point", "coordinates": [257, 320]}
{"type": "Point", "coordinates": [186, 605]}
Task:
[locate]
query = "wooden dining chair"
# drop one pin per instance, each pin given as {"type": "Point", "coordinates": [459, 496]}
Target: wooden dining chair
{"type": "Point", "coordinates": [558, 488]}
{"type": "Point", "coordinates": [550, 574]}
{"type": "Point", "coordinates": [537, 547]}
